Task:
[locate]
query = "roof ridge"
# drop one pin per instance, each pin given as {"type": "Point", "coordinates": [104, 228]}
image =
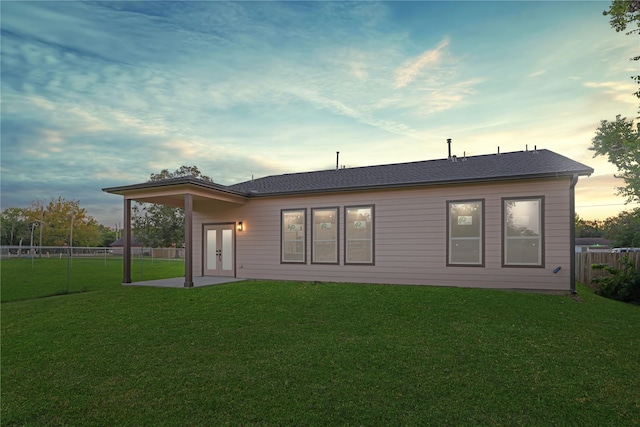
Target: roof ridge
{"type": "Point", "coordinates": [483, 167]}
{"type": "Point", "coordinates": [398, 163]}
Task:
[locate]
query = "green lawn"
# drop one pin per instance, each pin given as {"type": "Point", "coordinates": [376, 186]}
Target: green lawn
{"type": "Point", "coordinates": [24, 278]}
{"type": "Point", "coordinates": [283, 353]}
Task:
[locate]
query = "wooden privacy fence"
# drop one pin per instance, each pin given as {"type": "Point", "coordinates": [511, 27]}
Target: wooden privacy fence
{"type": "Point", "coordinates": [584, 260]}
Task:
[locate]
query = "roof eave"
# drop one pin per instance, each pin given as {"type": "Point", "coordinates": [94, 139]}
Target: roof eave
{"type": "Point", "coordinates": [122, 190]}
{"type": "Point", "coordinates": [584, 172]}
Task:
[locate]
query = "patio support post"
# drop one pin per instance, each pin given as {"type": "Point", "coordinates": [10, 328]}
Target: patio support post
{"type": "Point", "coordinates": [188, 240]}
{"type": "Point", "coordinates": [126, 241]}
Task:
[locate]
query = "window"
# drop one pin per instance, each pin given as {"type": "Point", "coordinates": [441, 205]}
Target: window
{"type": "Point", "coordinates": [324, 235]}
{"type": "Point", "coordinates": [523, 238]}
{"type": "Point", "coordinates": [465, 232]}
{"type": "Point", "coordinates": [293, 236]}
{"type": "Point", "coordinates": [358, 235]}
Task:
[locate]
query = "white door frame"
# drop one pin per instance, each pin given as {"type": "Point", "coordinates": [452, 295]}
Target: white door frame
{"type": "Point", "coordinates": [221, 238]}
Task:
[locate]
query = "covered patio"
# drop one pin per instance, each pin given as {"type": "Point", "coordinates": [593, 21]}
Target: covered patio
{"type": "Point", "coordinates": [178, 192]}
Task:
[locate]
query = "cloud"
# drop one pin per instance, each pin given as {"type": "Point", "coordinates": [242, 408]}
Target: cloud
{"type": "Point", "coordinates": [616, 91]}
{"type": "Point", "coordinates": [359, 71]}
{"type": "Point", "coordinates": [594, 203]}
{"type": "Point", "coordinates": [410, 70]}
{"type": "Point", "coordinates": [537, 73]}
{"type": "Point", "coordinates": [103, 94]}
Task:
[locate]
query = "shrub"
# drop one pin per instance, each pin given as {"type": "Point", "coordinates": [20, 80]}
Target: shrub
{"type": "Point", "coordinates": [622, 284]}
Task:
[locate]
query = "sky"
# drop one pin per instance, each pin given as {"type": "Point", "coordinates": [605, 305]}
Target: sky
{"type": "Point", "coordinates": [102, 94]}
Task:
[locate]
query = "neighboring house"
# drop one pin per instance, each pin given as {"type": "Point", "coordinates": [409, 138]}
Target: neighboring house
{"type": "Point", "coordinates": [136, 247]}
{"type": "Point", "coordinates": [592, 244]}
{"type": "Point", "coordinates": [491, 221]}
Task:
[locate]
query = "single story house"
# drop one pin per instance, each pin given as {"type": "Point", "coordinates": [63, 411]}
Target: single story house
{"type": "Point", "coordinates": [118, 245]}
{"type": "Point", "coordinates": [503, 220]}
{"type": "Point", "coordinates": [592, 244]}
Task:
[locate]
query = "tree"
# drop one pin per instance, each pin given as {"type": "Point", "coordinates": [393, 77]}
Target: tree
{"type": "Point", "coordinates": [624, 230]}
{"type": "Point", "coordinates": [624, 13]}
{"type": "Point", "coordinates": [183, 171]}
{"type": "Point", "coordinates": [64, 222]}
{"type": "Point", "coordinates": [53, 221]}
{"type": "Point", "coordinates": [15, 226]}
{"type": "Point", "coordinates": [587, 228]}
{"type": "Point", "coordinates": [159, 225]}
{"type": "Point", "coordinates": [107, 235]}
{"type": "Point", "coordinates": [620, 142]}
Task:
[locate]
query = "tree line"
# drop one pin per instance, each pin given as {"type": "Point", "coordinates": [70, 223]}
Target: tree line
{"type": "Point", "coordinates": [622, 230]}
{"type": "Point", "coordinates": [62, 222]}
{"type": "Point", "coordinates": [59, 222]}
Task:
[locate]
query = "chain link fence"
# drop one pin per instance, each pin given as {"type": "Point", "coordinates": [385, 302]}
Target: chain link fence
{"type": "Point", "coordinates": [36, 272]}
{"type": "Point", "coordinates": [86, 252]}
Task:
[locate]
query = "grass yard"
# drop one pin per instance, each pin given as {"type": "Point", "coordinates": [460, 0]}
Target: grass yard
{"type": "Point", "coordinates": [24, 278]}
{"type": "Point", "coordinates": [283, 353]}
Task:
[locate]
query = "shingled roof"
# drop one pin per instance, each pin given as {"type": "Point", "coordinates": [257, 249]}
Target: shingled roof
{"type": "Point", "coordinates": [492, 167]}
{"type": "Point", "coordinates": [485, 168]}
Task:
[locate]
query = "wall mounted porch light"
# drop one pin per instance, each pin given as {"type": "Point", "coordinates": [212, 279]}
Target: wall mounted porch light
{"type": "Point", "coordinates": [240, 227]}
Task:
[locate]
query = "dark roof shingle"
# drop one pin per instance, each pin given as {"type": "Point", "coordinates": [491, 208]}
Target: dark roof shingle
{"type": "Point", "coordinates": [491, 167]}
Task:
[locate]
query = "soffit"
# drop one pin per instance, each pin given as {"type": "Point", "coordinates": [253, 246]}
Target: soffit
{"type": "Point", "coordinates": [173, 195]}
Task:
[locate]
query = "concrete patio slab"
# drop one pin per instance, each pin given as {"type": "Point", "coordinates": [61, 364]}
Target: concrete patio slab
{"type": "Point", "coordinates": [178, 282]}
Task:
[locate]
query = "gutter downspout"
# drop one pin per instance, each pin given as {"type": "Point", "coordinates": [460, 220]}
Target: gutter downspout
{"type": "Point", "coordinates": [572, 233]}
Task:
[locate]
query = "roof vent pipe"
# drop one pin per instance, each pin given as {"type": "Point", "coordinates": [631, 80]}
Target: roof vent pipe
{"type": "Point", "coordinates": [498, 150]}
{"type": "Point", "coordinates": [337, 159]}
{"type": "Point", "coordinates": [449, 144]}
